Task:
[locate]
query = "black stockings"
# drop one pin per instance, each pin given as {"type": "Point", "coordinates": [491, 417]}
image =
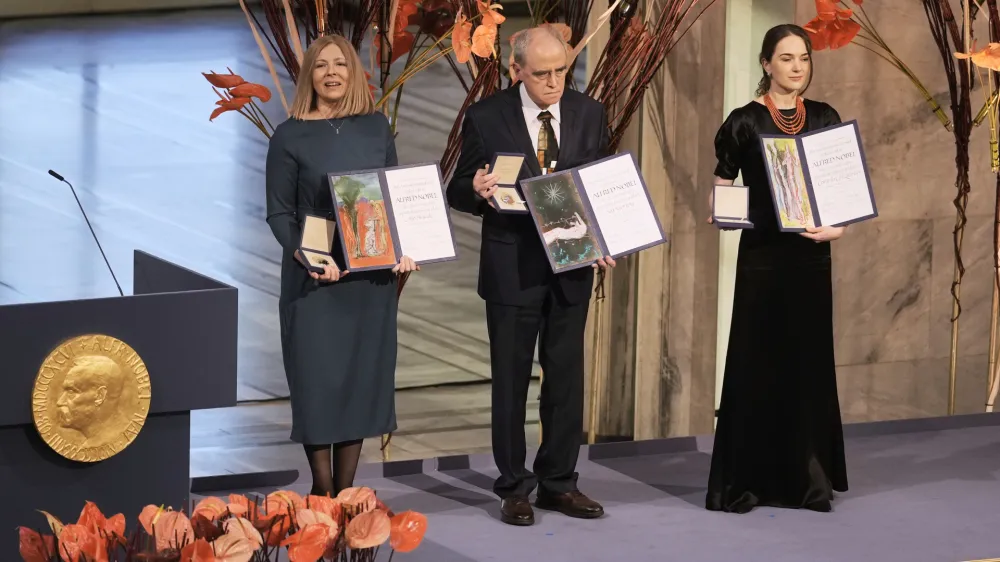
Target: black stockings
{"type": "Point", "coordinates": [333, 473]}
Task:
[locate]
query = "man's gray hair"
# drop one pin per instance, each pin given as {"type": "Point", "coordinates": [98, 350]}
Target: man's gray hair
{"type": "Point", "coordinates": [523, 40]}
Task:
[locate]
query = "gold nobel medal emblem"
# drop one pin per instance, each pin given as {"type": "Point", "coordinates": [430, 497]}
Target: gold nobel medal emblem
{"type": "Point", "coordinates": [91, 398]}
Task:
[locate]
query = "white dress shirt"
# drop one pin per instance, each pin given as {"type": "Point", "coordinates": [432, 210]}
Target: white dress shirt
{"type": "Point", "coordinates": [531, 111]}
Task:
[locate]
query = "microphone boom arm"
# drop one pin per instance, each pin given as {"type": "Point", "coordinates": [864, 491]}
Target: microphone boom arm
{"type": "Point", "coordinates": [92, 233]}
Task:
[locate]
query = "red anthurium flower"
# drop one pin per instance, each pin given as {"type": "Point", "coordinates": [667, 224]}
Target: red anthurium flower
{"type": "Point", "coordinates": [35, 547]}
{"type": "Point", "coordinates": [832, 28]}
{"type": "Point", "coordinates": [438, 18]}
{"type": "Point", "coordinates": [407, 14]}
{"type": "Point", "coordinates": [248, 90]}
{"type": "Point", "coordinates": [223, 80]}
{"type": "Point", "coordinates": [234, 104]}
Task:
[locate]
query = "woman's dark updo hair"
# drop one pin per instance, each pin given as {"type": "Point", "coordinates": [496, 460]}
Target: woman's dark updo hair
{"type": "Point", "coordinates": [771, 40]}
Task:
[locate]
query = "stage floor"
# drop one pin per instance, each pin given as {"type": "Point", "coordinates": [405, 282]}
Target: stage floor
{"type": "Point", "coordinates": [920, 490]}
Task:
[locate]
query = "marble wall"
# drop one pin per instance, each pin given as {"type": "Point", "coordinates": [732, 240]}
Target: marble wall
{"type": "Point", "coordinates": [656, 368]}
{"type": "Point", "coordinates": [892, 276]}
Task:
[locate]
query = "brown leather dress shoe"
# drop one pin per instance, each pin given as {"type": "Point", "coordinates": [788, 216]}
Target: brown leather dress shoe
{"type": "Point", "coordinates": [516, 510]}
{"type": "Point", "coordinates": [573, 504]}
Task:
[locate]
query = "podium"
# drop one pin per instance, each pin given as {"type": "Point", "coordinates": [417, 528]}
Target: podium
{"type": "Point", "coordinates": [183, 326]}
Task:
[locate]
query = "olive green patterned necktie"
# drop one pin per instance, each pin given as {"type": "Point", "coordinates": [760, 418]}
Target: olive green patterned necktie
{"type": "Point", "coordinates": [548, 147]}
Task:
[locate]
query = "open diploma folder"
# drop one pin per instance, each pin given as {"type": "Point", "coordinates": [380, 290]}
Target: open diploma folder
{"type": "Point", "coordinates": [731, 206]}
{"type": "Point", "coordinates": [819, 178]}
{"type": "Point", "coordinates": [388, 213]}
{"type": "Point", "coordinates": [316, 244]}
{"type": "Point", "coordinates": [508, 166]}
{"type": "Point", "coordinates": [585, 213]}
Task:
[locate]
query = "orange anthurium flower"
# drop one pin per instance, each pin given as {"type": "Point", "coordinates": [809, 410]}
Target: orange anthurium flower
{"type": "Point", "coordinates": [241, 505]}
{"type": "Point", "coordinates": [309, 517]}
{"type": "Point", "coordinates": [326, 504]}
{"type": "Point", "coordinates": [212, 508]}
{"type": "Point", "coordinates": [274, 527]}
{"type": "Point", "coordinates": [484, 41]}
{"type": "Point", "coordinates": [491, 13]}
{"type": "Point", "coordinates": [223, 80]}
{"type": "Point", "coordinates": [816, 29]}
{"type": "Point", "coordinates": [116, 527]}
{"type": "Point", "coordinates": [832, 28]}
{"type": "Point", "coordinates": [35, 547]}
{"type": "Point", "coordinates": [198, 551]}
{"type": "Point", "coordinates": [565, 30]}
{"type": "Point", "coordinates": [224, 549]}
{"type": "Point", "coordinates": [407, 531]}
{"type": "Point", "coordinates": [826, 10]}
{"type": "Point", "coordinates": [249, 90]}
{"type": "Point", "coordinates": [988, 58]}
{"type": "Point", "coordinates": [234, 104]}
{"type": "Point", "coordinates": [242, 528]}
{"type": "Point", "coordinates": [107, 530]}
{"type": "Point", "coordinates": [308, 544]}
{"type": "Point", "coordinates": [407, 14]}
{"type": "Point", "coordinates": [842, 32]}
{"type": "Point", "coordinates": [461, 38]}
{"type": "Point", "coordinates": [357, 499]}
{"type": "Point", "coordinates": [284, 501]}
{"type": "Point", "coordinates": [172, 529]}
{"type": "Point", "coordinates": [368, 530]}
{"type": "Point", "coordinates": [77, 543]}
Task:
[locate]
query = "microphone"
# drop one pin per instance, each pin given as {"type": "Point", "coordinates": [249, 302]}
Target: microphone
{"type": "Point", "coordinates": [62, 179]}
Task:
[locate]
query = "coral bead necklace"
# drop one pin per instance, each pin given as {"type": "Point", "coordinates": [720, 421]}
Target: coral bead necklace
{"type": "Point", "coordinates": [789, 125]}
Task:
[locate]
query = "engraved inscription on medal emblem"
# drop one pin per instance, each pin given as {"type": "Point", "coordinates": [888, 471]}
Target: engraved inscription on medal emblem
{"type": "Point", "coordinates": [91, 398]}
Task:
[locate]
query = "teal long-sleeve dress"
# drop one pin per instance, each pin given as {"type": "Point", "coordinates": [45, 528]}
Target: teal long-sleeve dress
{"type": "Point", "coordinates": [338, 339]}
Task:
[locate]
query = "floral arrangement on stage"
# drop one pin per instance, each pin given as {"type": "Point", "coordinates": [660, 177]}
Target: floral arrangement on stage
{"type": "Point", "coordinates": [836, 25]}
{"type": "Point", "coordinates": [352, 527]}
{"type": "Point", "coordinates": [414, 31]}
{"type": "Point", "coordinates": [987, 63]}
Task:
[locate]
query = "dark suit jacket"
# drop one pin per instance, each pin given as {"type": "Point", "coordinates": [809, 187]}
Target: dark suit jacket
{"type": "Point", "coordinates": [513, 267]}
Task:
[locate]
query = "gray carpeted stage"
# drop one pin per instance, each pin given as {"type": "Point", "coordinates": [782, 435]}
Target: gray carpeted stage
{"type": "Point", "coordinates": [921, 490]}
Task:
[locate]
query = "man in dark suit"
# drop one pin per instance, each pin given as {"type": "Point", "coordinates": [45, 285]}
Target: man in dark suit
{"type": "Point", "coordinates": [525, 301]}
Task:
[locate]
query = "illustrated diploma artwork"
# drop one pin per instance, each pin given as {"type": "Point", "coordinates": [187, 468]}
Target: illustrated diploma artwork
{"type": "Point", "coordinates": [819, 178]}
{"type": "Point", "coordinates": [601, 209]}
{"type": "Point", "coordinates": [731, 206]}
{"type": "Point", "coordinates": [388, 213]}
{"type": "Point", "coordinates": [316, 244]}
{"type": "Point", "coordinates": [506, 199]}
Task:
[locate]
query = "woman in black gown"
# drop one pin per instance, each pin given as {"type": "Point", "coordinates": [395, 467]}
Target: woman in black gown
{"type": "Point", "coordinates": [338, 329]}
{"type": "Point", "coordinates": [779, 440]}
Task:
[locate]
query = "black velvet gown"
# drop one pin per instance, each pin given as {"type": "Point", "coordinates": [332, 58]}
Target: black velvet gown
{"type": "Point", "coordinates": [779, 440]}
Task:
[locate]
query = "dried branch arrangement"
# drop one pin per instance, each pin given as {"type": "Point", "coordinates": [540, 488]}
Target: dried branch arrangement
{"type": "Point", "coordinates": [634, 54]}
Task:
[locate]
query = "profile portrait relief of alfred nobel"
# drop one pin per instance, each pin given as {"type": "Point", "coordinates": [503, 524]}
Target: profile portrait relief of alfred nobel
{"type": "Point", "coordinates": [88, 401]}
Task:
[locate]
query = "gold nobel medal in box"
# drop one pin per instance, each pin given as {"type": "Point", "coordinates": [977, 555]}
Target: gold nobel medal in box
{"type": "Point", "coordinates": [316, 245]}
{"type": "Point", "coordinates": [506, 199]}
{"type": "Point", "coordinates": [91, 398]}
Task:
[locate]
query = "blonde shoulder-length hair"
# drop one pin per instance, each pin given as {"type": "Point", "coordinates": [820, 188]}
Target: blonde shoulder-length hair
{"type": "Point", "coordinates": [358, 99]}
